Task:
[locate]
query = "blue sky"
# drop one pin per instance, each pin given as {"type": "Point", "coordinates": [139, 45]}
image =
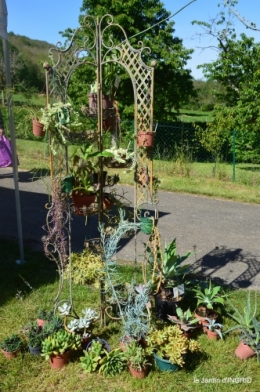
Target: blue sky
{"type": "Point", "coordinates": [43, 19]}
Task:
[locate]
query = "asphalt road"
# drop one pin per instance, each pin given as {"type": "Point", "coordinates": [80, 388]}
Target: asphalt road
{"type": "Point", "coordinates": [224, 235]}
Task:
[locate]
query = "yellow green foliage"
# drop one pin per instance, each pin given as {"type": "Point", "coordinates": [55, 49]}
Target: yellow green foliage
{"type": "Point", "coordinates": [86, 268]}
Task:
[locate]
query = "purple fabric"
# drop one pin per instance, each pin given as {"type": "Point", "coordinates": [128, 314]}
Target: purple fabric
{"type": "Point", "coordinates": [5, 152]}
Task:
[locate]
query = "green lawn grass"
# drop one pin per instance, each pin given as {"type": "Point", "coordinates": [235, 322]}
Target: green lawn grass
{"type": "Point", "coordinates": [176, 176]}
{"type": "Point", "coordinates": [187, 115]}
{"type": "Point", "coordinates": [28, 287]}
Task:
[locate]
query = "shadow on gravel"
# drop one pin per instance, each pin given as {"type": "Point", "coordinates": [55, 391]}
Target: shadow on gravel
{"type": "Point", "coordinates": [229, 266]}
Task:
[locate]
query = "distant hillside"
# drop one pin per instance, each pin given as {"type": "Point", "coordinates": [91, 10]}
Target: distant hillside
{"type": "Point", "coordinates": [32, 54]}
{"type": "Point", "coordinates": [30, 48]}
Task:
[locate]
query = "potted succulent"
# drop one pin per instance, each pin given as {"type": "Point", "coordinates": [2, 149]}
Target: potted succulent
{"type": "Point", "coordinates": [44, 316]}
{"type": "Point", "coordinates": [137, 359]}
{"type": "Point", "coordinates": [60, 119]}
{"type": "Point", "coordinates": [11, 345]}
{"type": "Point", "coordinates": [136, 315]}
{"type": "Point", "coordinates": [207, 298]}
{"type": "Point", "coordinates": [34, 336]}
{"type": "Point", "coordinates": [213, 329]}
{"type": "Point", "coordinates": [185, 320]}
{"type": "Point", "coordinates": [98, 358]}
{"type": "Point", "coordinates": [168, 279]}
{"type": "Point", "coordinates": [169, 347]}
{"type": "Point", "coordinates": [56, 347]}
{"type": "Point", "coordinates": [248, 326]}
{"type": "Point", "coordinates": [81, 325]}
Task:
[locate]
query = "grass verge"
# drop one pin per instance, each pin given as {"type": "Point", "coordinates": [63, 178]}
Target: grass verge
{"type": "Point", "coordinates": [176, 176]}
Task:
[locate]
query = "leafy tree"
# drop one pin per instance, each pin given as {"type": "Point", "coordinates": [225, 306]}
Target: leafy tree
{"type": "Point", "coordinates": [237, 70]}
{"type": "Point", "coordinates": [173, 82]}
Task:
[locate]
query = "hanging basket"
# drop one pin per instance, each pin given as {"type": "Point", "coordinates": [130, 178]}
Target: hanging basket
{"type": "Point", "coordinates": [67, 184]}
{"type": "Point", "coordinates": [38, 128]}
{"type": "Point", "coordinates": [146, 225]}
{"type": "Point", "coordinates": [145, 139]}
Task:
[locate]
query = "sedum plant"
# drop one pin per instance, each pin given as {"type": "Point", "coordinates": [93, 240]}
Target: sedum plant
{"type": "Point", "coordinates": [170, 343]}
{"type": "Point", "coordinates": [86, 268]}
{"type": "Point", "coordinates": [59, 343]}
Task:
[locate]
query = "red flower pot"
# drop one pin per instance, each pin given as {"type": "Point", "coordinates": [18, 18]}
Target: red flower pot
{"type": "Point", "coordinates": [145, 139]}
{"type": "Point", "coordinates": [58, 361]}
{"type": "Point", "coordinates": [243, 351]}
{"type": "Point", "coordinates": [10, 355]}
{"type": "Point", "coordinates": [40, 322]}
{"type": "Point", "coordinates": [212, 334]}
{"type": "Point", "coordinates": [82, 200]}
{"type": "Point", "coordinates": [138, 373]}
{"type": "Point", "coordinates": [38, 128]}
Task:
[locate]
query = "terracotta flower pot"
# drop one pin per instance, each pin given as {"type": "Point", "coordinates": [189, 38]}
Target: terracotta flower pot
{"type": "Point", "coordinates": [38, 128]}
{"type": "Point", "coordinates": [10, 355]}
{"type": "Point", "coordinates": [82, 200]}
{"type": "Point", "coordinates": [40, 322]}
{"type": "Point", "coordinates": [243, 351]}
{"type": "Point", "coordinates": [58, 361]}
{"type": "Point", "coordinates": [145, 139]}
{"type": "Point", "coordinates": [138, 373]}
{"type": "Point", "coordinates": [212, 334]}
{"type": "Point", "coordinates": [202, 313]}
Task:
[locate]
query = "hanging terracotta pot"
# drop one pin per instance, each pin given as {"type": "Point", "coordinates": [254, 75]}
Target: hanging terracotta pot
{"type": "Point", "coordinates": [92, 102]}
{"type": "Point", "coordinates": [81, 201]}
{"type": "Point", "coordinates": [145, 139]}
{"type": "Point", "coordinates": [243, 351]}
{"type": "Point", "coordinates": [58, 361]}
{"type": "Point", "coordinates": [38, 128]}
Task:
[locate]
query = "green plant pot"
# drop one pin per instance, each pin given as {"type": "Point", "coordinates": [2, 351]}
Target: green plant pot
{"type": "Point", "coordinates": [35, 350]}
{"type": "Point", "coordinates": [102, 341]}
{"type": "Point", "coordinates": [165, 365]}
{"type": "Point", "coordinates": [146, 225]}
{"type": "Point", "coordinates": [67, 184]}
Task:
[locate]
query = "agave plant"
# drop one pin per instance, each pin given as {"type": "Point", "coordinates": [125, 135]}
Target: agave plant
{"type": "Point", "coordinates": [210, 296]}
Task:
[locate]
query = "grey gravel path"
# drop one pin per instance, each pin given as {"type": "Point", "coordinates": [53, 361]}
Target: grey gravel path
{"type": "Point", "coordinates": [224, 235]}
